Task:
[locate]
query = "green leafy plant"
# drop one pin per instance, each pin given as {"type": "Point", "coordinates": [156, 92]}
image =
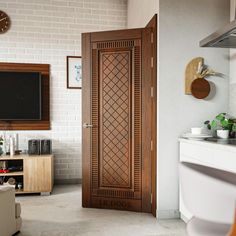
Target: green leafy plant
{"type": "Point", "coordinates": [234, 127]}
{"type": "Point", "coordinates": [221, 121]}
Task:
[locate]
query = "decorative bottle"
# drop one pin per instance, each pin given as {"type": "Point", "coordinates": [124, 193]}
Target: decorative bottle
{"type": "Point", "coordinates": [12, 146]}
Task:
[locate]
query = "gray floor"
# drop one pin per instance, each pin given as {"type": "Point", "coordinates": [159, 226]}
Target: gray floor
{"type": "Point", "coordinates": [61, 214]}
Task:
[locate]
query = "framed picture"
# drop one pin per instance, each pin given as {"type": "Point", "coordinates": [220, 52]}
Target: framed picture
{"type": "Point", "coordinates": [74, 72]}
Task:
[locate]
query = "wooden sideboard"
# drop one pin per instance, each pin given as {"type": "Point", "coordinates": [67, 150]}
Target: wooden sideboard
{"type": "Point", "coordinates": [37, 174]}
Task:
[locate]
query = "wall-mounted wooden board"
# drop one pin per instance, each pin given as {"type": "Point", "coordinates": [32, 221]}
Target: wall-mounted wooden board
{"type": "Point", "coordinates": [43, 124]}
{"type": "Point", "coordinates": [190, 73]}
{"type": "Point", "coordinates": [200, 88]}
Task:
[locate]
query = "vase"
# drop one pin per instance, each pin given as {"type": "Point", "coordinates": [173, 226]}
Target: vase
{"type": "Point", "coordinates": [223, 134]}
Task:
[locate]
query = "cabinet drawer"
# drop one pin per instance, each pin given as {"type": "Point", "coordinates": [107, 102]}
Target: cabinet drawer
{"type": "Point", "coordinates": [224, 160]}
{"type": "Point", "coordinates": [197, 152]}
{"type": "Point", "coordinates": [215, 156]}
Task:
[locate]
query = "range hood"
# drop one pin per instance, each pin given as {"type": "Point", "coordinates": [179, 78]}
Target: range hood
{"type": "Point", "coordinates": [222, 38]}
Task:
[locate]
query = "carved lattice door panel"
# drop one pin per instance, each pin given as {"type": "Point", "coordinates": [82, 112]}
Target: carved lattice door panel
{"type": "Point", "coordinates": [115, 155]}
{"type": "Point", "coordinates": [116, 99]}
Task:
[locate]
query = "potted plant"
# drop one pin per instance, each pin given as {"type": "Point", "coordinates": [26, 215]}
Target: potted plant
{"type": "Point", "coordinates": [222, 124]}
{"type": "Point", "coordinates": [233, 131]}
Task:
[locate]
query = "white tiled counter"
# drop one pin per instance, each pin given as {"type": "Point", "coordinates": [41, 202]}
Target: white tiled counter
{"type": "Point", "coordinates": [205, 153]}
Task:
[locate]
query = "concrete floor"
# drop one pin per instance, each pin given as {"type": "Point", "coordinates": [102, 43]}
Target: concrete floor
{"type": "Point", "coordinates": [61, 214]}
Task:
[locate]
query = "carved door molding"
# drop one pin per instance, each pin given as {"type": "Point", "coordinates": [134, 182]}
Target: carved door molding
{"type": "Point", "coordinates": [116, 138]}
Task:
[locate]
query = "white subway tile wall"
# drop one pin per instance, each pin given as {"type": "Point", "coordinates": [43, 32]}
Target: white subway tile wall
{"type": "Point", "coordinates": [46, 31]}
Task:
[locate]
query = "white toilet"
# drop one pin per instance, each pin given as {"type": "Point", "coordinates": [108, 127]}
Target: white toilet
{"type": "Point", "coordinates": [210, 195]}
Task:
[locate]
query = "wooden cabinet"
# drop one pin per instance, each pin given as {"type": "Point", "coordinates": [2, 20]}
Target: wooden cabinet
{"type": "Point", "coordinates": [37, 173]}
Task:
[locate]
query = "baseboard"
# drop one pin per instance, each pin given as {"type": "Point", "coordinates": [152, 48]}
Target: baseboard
{"type": "Point", "coordinates": [184, 218]}
{"type": "Point", "coordinates": [67, 181]}
{"type": "Point", "coordinates": [168, 214]}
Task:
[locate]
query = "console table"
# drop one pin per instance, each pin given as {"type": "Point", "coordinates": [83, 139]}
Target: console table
{"type": "Point", "coordinates": [37, 174]}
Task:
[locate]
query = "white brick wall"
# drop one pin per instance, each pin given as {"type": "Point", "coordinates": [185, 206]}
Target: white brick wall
{"type": "Point", "coordinates": [46, 31]}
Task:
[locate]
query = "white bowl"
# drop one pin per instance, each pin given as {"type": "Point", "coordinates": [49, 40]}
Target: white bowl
{"type": "Point", "coordinates": [196, 130]}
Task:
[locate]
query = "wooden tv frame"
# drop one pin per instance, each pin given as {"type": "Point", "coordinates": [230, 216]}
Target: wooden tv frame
{"type": "Point", "coordinates": [44, 123]}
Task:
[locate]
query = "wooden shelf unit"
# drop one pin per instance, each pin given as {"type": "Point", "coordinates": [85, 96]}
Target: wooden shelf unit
{"type": "Point", "coordinates": [17, 173]}
{"type": "Point", "coordinates": [38, 173]}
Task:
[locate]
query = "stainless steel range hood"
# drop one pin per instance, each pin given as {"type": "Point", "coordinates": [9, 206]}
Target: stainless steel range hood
{"type": "Point", "coordinates": [222, 38]}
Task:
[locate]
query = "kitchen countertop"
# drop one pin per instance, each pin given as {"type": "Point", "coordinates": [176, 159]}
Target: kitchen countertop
{"type": "Point", "coordinates": [228, 144]}
{"type": "Point", "coordinates": [211, 154]}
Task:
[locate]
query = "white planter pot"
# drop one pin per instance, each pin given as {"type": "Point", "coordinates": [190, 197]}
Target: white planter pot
{"type": "Point", "coordinates": [222, 134]}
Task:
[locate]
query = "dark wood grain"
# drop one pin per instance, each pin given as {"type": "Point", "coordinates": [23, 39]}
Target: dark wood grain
{"type": "Point", "coordinates": [153, 26]}
{"type": "Point", "coordinates": [86, 118]}
{"type": "Point", "coordinates": [117, 157]}
{"type": "Point", "coordinates": [116, 35]}
{"type": "Point", "coordinates": [116, 136]}
{"type": "Point", "coordinates": [200, 88]}
{"type": "Point", "coordinates": [118, 204]}
{"type": "Point", "coordinates": [146, 119]}
{"type": "Point", "coordinates": [44, 123]}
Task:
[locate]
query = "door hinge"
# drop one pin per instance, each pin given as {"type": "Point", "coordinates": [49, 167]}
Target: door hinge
{"type": "Point", "coordinates": [152, 92]}
{"type": "Point", "coordinates": [151, 145]}
{"type": "Point", "coordinates": [152, 37]}
{"type": "Point", "coordinates": [152, 62]}
{"type": "Point", "coordinates": [151, 198]}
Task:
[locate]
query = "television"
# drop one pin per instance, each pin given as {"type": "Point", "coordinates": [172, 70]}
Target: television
{"type": "Point", "coordinates": [20, 95]}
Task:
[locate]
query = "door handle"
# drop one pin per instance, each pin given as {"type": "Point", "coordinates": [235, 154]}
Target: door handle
{"type": "Point", "coordinates": [85, 125]}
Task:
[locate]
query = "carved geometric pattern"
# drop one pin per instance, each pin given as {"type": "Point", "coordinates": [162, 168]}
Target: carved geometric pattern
{"type": "Point", "coordinates": [95, 111]}
{"type": "Point", "coordinates": [115, 44]}
{"type": "Point", "coordinates": [115, 119]}
{"type": "Point", "coordinates": [116, 165]}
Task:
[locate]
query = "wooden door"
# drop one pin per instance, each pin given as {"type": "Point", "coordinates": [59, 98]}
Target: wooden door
{"type": "Point", "coordinates": [117, 119]}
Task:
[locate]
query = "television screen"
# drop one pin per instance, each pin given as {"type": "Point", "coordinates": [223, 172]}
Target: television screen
{"type": "Point", "coordinates": [20, 95]}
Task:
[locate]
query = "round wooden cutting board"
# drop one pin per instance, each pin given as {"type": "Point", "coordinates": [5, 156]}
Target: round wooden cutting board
{"type": "Point", "coordinates": [200, 88]}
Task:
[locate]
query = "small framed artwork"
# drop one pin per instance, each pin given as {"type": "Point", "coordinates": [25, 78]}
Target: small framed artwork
{"type": "Point", "coordinates": [74, 72]}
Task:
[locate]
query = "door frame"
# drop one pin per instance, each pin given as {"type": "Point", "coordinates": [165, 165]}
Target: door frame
{"type": "Point", "coordinates": [149, 115]}
{"type": "Point", "coordinates": [153, 25]}
{"type": "Point", "coordinates": [86, 117]}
